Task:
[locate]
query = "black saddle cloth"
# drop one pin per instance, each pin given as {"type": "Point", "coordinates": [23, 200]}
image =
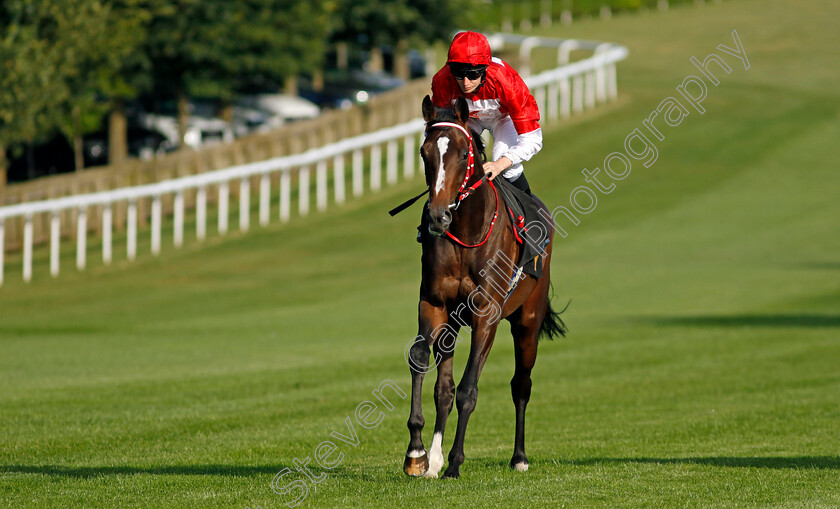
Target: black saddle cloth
{"type": "Point", "coordinates": [523, 211]}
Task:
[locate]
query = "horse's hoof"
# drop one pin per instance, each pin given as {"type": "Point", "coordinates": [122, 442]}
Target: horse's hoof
{"type": "Point", "coordinates": [452, 473]}
{"type": "Point", "coordinates": [519, 463]}
{"type": "Point", "coordinates": [416, 467]}
{"type": "Point", "coordinates": [521, 466]}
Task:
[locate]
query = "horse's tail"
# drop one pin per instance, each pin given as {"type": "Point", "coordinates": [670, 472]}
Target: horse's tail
{"type": "Point", "coordinates": [552, 324]}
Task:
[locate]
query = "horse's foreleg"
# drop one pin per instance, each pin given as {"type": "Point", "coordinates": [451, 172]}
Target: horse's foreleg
{"type": "Point", "coordinates": [444, 397]}
{"type": "Point", "coordinates": [467, 394]}
{"type": "Point", "coordinates": [416, 460]}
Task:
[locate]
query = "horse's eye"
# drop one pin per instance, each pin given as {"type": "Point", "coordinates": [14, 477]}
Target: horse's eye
{"type": "Point", "coordinates": [465, 155]}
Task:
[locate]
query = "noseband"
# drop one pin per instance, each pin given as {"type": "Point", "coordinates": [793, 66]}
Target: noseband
{"type": "Point", "coordinates": [463, 190]}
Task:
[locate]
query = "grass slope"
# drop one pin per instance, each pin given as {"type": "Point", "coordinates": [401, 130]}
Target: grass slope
{"type": "Point", "coordinates": [701, 368]}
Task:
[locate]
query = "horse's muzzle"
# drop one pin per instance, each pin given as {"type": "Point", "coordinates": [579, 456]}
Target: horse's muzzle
{"type": "Point", "coordinates": [439, 221]}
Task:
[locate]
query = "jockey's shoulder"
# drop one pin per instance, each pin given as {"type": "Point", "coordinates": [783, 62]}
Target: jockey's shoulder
{"type": "Point", "coordinates": [499, 69]}
{"type": "Point", "coordinates": [498, 63]}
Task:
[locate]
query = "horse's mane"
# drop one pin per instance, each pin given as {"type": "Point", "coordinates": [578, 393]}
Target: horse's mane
{"type": "Point", "coordinates": [448, 115]}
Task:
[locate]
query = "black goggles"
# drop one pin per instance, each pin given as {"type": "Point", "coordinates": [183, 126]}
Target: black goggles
{"type": "Point", "coordinates": [461, 71]}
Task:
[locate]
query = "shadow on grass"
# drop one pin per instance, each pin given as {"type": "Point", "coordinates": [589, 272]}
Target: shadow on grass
{"type": "Point", "coordinates": [822, 265]}
{"type": "Point", "coordinates": [783, 321]}
{"type": "Point", "coordinates": [774, 462]}
{"type": "Point", "coordinates": [85, 472]}
{"type": "Point", "coordinates": [48, 330]}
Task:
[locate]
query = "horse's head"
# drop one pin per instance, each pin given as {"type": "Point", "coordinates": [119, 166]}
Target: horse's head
{"type": "Point", "coordinates": [447, 156]}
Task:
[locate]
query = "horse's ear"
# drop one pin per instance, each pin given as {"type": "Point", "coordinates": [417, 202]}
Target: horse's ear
{"type": "Point", "coordinates": [462, 110]}
{"type": "Point", "coordinates": [428, 109]}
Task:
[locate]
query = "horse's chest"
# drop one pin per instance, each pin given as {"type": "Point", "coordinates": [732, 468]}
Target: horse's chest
{"type": "Point", "coordinates": [452, 288]}
{"type": "Point", "coordinates": [451, 277]}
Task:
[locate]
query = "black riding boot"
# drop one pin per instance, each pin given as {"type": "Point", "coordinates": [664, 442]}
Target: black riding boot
{"type": "Point", "coordinates": [521, 183]}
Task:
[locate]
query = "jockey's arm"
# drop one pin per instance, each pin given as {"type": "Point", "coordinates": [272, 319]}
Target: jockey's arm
{"type": "Point", "coordinates": [494, 168]}
{"type": "Point", "coordinates": [526, 146]}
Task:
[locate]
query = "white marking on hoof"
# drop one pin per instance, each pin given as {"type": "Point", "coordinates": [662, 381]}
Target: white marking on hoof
{"type": "Point", "coordinates": [435, 456]}
{"type": "Point", "coordinates": [521, 467]}
{"type": "Point", "coordinates": [419, 453]}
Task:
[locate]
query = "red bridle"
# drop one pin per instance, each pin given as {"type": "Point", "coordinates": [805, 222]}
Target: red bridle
{"type": "Point", "coordinates": [463, 190]}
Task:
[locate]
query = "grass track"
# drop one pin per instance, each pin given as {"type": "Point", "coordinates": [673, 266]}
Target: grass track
{"type": "Point", "coordinates": [701, 368]}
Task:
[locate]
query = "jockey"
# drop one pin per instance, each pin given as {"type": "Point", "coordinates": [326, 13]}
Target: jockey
{"type": "Point", "coordinates": [499, 101]}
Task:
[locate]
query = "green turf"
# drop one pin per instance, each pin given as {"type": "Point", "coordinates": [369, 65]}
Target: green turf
{"type": "Point", "coordinates": [701, 369]}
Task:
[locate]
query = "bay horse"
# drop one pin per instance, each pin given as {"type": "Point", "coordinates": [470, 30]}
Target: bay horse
{"type": "Point", "coordinates": [468, 280]}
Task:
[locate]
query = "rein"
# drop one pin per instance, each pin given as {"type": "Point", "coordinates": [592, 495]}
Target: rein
{"type": "Point", "coordinates": [492, 222]}
{"type": "Point", "coordinates": [463, 190]}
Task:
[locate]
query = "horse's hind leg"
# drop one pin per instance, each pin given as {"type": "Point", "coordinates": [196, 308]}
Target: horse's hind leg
{"type": "Point", "coordinates": [525, 349]}
{"type": "Point", "coordinates": [525, 327]}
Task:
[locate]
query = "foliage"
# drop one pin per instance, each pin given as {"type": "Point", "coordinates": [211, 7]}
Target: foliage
{"type": "Point", "coordinates": [61, 59]}
{"type": "Point", "coordinates": [212, 48]}
{"type": "Point", "coordinates": [494, 13]}
{"type": "Point", "coordinates": [30, 78]}
{"type": "Point", "coordinates": [370, 23]}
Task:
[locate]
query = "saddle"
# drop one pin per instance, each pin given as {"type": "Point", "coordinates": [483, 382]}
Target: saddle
{"type": "Point", "coordinates": [523, 210]}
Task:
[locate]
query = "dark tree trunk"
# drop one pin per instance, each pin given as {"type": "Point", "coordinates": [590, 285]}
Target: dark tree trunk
{"type": "Point", "coordinates": [78, 145]}
{"type": "Point", "coordinates": [183, 117]}
{"type": "Point", "coordinates": [402, 67]}
{"type": "Point", "coordinates": [342, 55]}
{"type": "Point", "coordinates": [3, 167]}
{"type": "Point", "coordinates": [377, 60]}
{"type": "Point", "coordinates": [30, 161]}
{"type": "Point", "coordinates": [225, 108]}
{"type": "Point", "coordinates": [117, 133]}
{"type": "Point", "coordinates": [291, 85]}
{"type": "Point", "coordinates": [318, 80]}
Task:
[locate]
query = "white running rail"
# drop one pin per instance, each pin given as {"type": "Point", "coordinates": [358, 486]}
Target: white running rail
{"type": "Point", "coordinates": [561, 92]}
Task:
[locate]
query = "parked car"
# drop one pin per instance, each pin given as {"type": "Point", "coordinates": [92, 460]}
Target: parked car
{"type": "Point", "coordinates": [248, 120]}
{"type": "Point", "coordinates": [203, 127]}
{"type": "Point", "coordinates": [141, 142]}
{"type": "Point", "coordinates": [260, 112]}
{"type": "Point", "coordinates": [56, 155]}
{"type": "Point", "coordinates": [344, 88]}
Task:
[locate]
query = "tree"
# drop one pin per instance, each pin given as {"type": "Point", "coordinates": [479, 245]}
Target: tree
{"type": "Point", "coordinates": [216, 48]}
{"type": "Point", "coordinates": [29, 84]}
{"type": "Point", "coordinates": [371, 23]}
{"type": "Point", "coordinates": [60, 59]}
{"type": "Point", "coordinates": [101, 37]}
{"type": "Point", "coordinates": [131, 19]}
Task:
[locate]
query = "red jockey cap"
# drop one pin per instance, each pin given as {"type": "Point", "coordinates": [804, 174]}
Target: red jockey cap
{"type": "Point", "coordinates": [470, 48]}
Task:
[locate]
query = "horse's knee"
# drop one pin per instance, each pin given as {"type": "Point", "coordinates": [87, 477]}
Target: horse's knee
{"type": "Point", "coordinates": [419, 355]}
{"type": "Point", "coordinates": [466, 398]}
